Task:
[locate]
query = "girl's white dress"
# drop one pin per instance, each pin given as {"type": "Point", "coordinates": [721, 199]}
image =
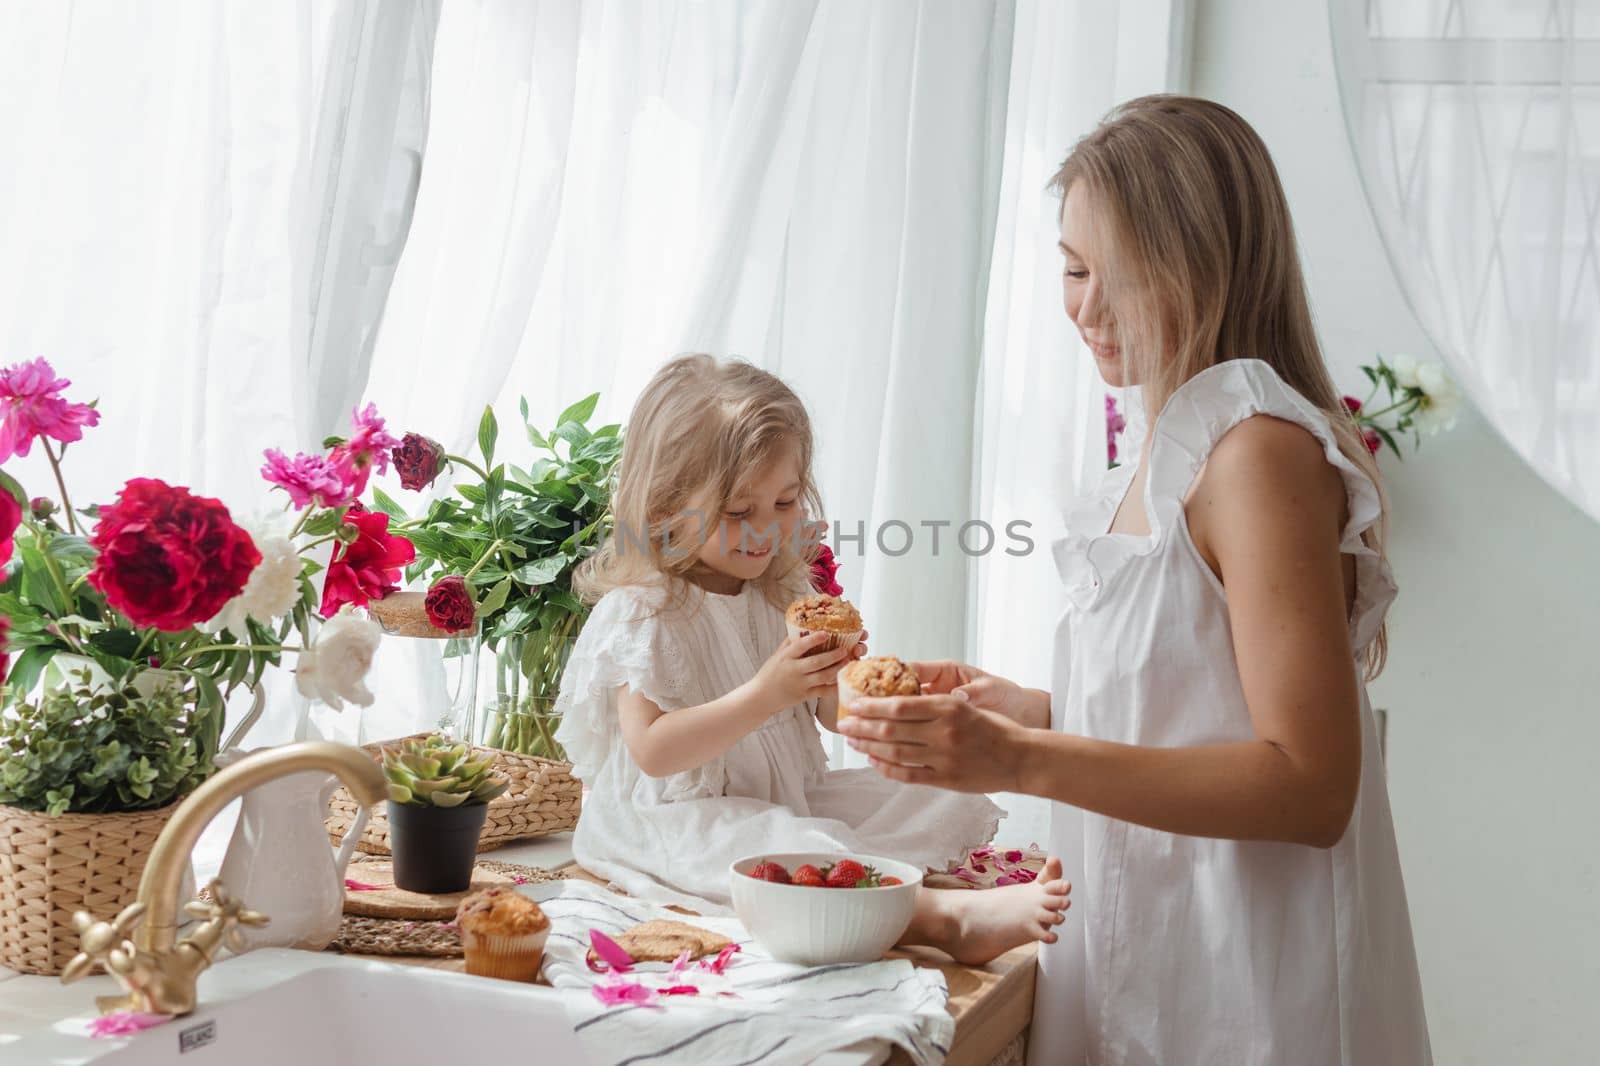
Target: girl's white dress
{"type": "Point", "coordinates": [1191, 950]}
{"type": "Point", "coordinates": [671, 839]}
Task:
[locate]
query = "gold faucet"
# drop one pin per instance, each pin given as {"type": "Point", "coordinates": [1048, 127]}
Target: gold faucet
{"type": "Point", "coordinates": [158, 971]}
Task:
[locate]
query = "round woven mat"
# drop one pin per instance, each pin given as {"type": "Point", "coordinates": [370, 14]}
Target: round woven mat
{"type": "Point", "coordinates": [363, 935]}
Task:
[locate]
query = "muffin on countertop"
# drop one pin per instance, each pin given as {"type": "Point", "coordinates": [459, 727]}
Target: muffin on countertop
{"type": "Point", "coordinates": [503, 934]}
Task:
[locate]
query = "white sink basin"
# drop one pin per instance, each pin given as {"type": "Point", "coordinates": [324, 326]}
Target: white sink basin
{"type": "Point", "coordinates": [274, 1006]}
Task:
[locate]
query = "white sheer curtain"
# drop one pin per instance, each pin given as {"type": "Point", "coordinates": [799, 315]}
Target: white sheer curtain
{"type": "Point", "coordinates": [809, 184]}
{"type": "Point", "coordinates": [1477, 130]}
{"type": "Point", "coordinates": [202, 205]}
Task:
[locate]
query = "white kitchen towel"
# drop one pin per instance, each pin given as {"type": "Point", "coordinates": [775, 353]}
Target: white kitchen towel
{"type": "Point", "coordinates": [776, 1013]}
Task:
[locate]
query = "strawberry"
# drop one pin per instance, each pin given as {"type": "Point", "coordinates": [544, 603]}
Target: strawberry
{"type": "Point", "coordinates": [846, 873]}
{"type": "Point", "coordinates": [770, 871]}
{"type": "Point", "coordinates": [809, 876]}
{"type": "Point", "coordinates": [891, 881]}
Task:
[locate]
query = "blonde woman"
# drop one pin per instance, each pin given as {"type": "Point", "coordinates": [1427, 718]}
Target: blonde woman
{"type": "Point", "coordinates": [1240, 889]}
{"type": "Point", "coordinates": [691, 714]}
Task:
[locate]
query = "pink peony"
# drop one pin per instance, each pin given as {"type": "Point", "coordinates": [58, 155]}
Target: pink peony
{"type": "Point", "coordinates": [368, 448]}
{"type": "Point", "coordinates": [1115, 424]}
{"type": "Point", "coordinates": [310, 479]}
{"type": "Point", "coordinates": [368, 567]}
{"type": "Point", "coordinates": [31, 406]}
{"type": "Point", "coordinates": [10, 519]}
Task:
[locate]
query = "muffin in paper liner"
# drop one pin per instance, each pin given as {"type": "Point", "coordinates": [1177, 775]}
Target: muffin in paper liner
{"type": "Point", "coordinates": [885, 676]}
{"type": "Point", "coordinates": [840, 620]}
{"type": "Point", "coordinates": [509, 957]}
{"type": "Point", "coordinates": [503, 934]}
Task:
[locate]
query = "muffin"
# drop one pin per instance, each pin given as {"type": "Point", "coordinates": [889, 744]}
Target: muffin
{"type": "Point", "coordinates": [825, 614]}
{"type": "Point", "coordinates": [876, 675]}
{"type": "Point", "coordinates": [503, 934]}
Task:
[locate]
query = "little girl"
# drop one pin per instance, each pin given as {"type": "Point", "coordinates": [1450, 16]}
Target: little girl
{"type": "Point", "coordinates": [692, 716]}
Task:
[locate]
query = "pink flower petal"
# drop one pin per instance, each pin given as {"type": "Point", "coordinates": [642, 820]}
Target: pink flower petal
{"type": "Point", "coordinates": [720, 963]}
{"type": "Point", "coordinates": [1003, 880]}
{"type": "Point", "coordinates": [125, 1023]}
{"type": "Point", "coordinates": [681, 963]}
{"type": "Point", "coordinates": [680, 990]}
{"type": "Point", "coordinates": [610, 952]}
{"type": "Point", "coordinates": [618, 993]}
{"type": "Point", "coordinates": [1013, 856]}
{"type": "Point", "coordinates": [969, 877]}
{"type": "Point", "coordinates": [358, 886]}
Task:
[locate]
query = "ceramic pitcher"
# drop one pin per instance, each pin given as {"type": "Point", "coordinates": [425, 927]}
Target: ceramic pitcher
{"type": "Point", "coordinates": [280, 862]}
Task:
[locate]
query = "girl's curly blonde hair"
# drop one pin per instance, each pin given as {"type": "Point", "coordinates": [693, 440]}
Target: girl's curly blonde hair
{"type": "Point", "coordinates": [698, 432]}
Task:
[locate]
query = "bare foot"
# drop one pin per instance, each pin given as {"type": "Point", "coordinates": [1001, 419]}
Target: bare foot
{"type": "Point", "coordinates": [974, 927]}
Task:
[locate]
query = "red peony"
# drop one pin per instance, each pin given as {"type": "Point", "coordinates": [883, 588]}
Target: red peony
{"type": "Point", "coordinates": [449, 605]}
{"type": "Point", "coordinates": [1372, 440]}
{"type": "Point", "coordinates": [10, 519]}
{"type": "Point", "coordinates": [1352, 405]}
{"type": "Point", "coordinates": [167, 558]}
{"type": "Point", "coordinates": [823, 571]}
{"type": "Point", "coordinates": [367, 568]}
{"type": "Point", "coordinates": [418, 460]}
{"type": "Point", "coordinates": [5, 653]}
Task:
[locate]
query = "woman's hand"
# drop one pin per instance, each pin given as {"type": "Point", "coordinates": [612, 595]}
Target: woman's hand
{"type": "Point", "coordinates": [799, 670]}
{"type": "Point", "coordinates": [990, 692]}
{"type": "Point", "coordinates": [942, 739]}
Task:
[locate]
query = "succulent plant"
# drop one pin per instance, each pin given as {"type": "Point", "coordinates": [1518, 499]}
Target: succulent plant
{"type": "Point", "coordinates": [439, 772]}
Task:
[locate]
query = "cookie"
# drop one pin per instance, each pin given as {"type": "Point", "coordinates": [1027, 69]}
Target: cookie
{"type": "Point", "coordinates": [664, 941]}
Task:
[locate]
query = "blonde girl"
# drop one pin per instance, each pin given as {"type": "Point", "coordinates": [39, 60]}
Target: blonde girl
{"type": "Point", "coordinates": [691, 714]}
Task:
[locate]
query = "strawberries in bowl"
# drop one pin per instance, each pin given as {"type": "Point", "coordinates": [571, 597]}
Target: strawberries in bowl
{"type": "Point", "coordinates": [846, 873]}
{"type": "Point", "coordinates": [863, 909]}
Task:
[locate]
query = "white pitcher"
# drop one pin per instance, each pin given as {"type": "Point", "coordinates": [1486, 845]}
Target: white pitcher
{"type": "Point", "coordinates": [281, 864]}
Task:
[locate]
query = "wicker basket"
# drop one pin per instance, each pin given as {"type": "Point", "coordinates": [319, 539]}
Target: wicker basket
{"type": "Point", "coordinates": [54, 865]}
{"type": "Point", "coordinates": [543, 798]}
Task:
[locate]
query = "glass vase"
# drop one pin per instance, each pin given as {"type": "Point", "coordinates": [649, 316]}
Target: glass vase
{"type": "Point", "coordinates": [517, 688]}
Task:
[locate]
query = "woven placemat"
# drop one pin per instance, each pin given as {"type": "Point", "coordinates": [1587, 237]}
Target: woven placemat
{"type": "Point", "coordinates": [362, 935]}
{"type": "Point", "coordinates": [380, 897]}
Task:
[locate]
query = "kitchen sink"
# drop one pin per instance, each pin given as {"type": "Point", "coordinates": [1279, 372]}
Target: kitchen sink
{"type": "Point", "coordinates": [277, 1007]}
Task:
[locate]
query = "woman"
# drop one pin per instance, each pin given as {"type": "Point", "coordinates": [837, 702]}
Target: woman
{"type": "Point", "coordinates": [1241, 892]}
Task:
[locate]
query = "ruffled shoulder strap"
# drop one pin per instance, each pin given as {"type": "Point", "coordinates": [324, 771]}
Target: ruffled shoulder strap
{"type": "Point", "coordinates": [1218, 398]}
{"type": "Point", "coordinates": [625, 641]}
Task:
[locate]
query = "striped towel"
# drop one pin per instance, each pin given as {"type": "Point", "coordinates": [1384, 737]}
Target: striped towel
{"type": "Point", "coordinates": [758, 1010]}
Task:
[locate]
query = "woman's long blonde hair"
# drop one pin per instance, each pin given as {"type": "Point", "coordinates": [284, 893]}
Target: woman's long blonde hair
{"type": "Point", "coordinates": [700, 429]}
{"type": "Point", "coordinates": [1200, 263]}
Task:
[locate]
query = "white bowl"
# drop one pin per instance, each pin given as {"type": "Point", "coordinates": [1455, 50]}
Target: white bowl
{"type": "Point", "coordinates": [821, 926]}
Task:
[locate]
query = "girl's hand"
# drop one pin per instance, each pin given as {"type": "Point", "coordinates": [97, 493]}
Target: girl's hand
{"type": "Point", "coordinates": [799, 670]}
{"type": "Point", "coordinates": [983, 690]}
{"type": "Point", "coordinates": [942, 740]}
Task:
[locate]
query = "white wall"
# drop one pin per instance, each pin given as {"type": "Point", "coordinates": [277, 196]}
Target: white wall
{"type": "Point", "coordinates": [1495, 641]}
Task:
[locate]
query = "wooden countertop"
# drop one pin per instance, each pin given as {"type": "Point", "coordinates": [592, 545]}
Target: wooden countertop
{"type": "Point", "coordinates": [990, 1004]}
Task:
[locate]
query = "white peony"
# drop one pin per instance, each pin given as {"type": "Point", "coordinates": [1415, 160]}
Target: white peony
{"type": "Point", "coordinates": [271, 592]}
{"type": "Point", "coordinates": [1406, 368]}
{"type": "Point", "coordinates": [1441, 399]}
{"type": "Point", "coordinates": [334, 668]}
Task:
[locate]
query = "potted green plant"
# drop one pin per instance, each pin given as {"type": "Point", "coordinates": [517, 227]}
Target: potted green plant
{"type": "Point", "coordinates": [89, 775]}
{"type": "Point", "coordinates": [439, 793]}
{"type": "Point", "coordinates": [500, 552]}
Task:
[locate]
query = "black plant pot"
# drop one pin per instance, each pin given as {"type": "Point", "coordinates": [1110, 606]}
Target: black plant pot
{"type": "Point", "coordinates": [435, 847]}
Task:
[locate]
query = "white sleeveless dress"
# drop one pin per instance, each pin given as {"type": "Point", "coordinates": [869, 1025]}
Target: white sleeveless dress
{"type": "Point", "coordinates": [1190, 950]}
{"type": "Point", "coordinates": [670, 839]}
